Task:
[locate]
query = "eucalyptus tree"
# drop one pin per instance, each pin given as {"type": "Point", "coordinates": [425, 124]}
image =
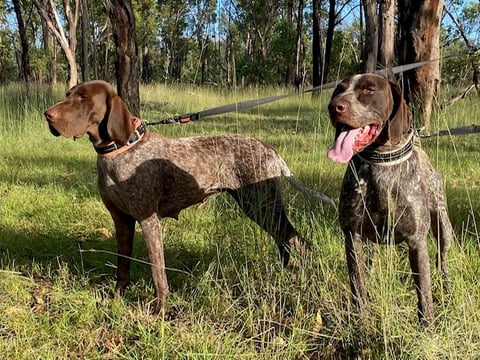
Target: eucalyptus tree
{"type": "Point", "coordinates": [329, 38]}
{"type": "Point", "coordinates": [387, 33]}
{"type": "Point", "coordinates": [202, 17]}
{"type": "Point", "coordinates": [59, 26]}
{"type": "Point", "coordinates": [419, 25]}
{"type": "Point", "coordinates": [7, 56]}
{"type": "Point", "coordinates": [462, 34]}
{"type": "Point", "coordinates": [173, 24]}
{"type": "Point", "coordinates": [267, 40]}
{"type": "Point", "coordinates": [25, 46]}
{"type": "Point", "coordinates": [122, 20]}
{"type": "Point", "coordinates": [317, 44]}
{"type": "Point", "coordinates": [370, 45]}
{"type": "Point", "coordinates": [147, 34]}
{"type": "Point", "coordinates": [379, 39]}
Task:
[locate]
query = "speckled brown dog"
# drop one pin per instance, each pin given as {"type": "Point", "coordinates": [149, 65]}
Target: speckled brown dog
{"type": "Point", "coordinates": [144, 177]}
{"type": "Point", "coordinates": [390, 191]}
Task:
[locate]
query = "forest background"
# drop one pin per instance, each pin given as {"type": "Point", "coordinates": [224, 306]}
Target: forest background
{"type": "Point", "coordinates": [227, 43]}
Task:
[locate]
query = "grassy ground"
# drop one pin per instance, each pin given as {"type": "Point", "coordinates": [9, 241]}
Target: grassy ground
{"type": "Point", "coordinates": [231, 297]}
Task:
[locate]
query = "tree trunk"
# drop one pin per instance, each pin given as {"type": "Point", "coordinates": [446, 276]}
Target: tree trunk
{"type": "Point", "coordinates": [25, 70]}
{"type": "Point", "coordinates": [387, 33]}
{"type": "Point", "coordinates": [49, 14]}
{"type": "Point", "coordinates": [85, 41]}
{"type": "Point", "coordinates": [50, 49]}
{"type": "Point", "coordinates": [146, 68]}
{"type": "Point", "coordinates": [126, 59]}
{"type": "Point", "coordinates": [332, 18]}
{"type": "Point", "coordinates": [298, 74]}
{"type": "Point", "coordinates": [228, 58]}
{"type": "Point", "coordinates": [53, 79]}
{"type": "Point", "coordinates": [316, 45]}
{"type": "Point", "coordinates": [289, 77]}
{"type": "Point", "coordinates": [204, 61]}
{"type": "Point", "coordinates": [421, 31]}
{"type": "Point", "coordinates": [370, 47]}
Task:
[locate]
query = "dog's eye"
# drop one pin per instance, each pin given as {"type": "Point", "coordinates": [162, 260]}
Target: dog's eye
{"type": "Point", "coordinates": [369, 90]}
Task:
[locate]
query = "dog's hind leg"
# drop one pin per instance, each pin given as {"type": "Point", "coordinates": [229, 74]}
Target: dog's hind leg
{"type": "Point", "coordinates": [262, 202]}
{"type": "Point", "coordinates": [440, 223]}
{"type": "Point", "coordinates": [443, 232]}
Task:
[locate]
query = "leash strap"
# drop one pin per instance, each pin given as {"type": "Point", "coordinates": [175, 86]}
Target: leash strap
{"type": "Point", "coordinates": [219, 110]}
{"type": "Point", "coordinates": [257, 102]}
{"type": "Point", "coordinates": [464, 130]}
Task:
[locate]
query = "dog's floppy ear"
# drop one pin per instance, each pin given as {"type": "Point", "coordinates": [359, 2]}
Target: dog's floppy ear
{"type": "Point", "coordinates": [119, 125]}
{"type": "Point", "coordinates": [399, 122]}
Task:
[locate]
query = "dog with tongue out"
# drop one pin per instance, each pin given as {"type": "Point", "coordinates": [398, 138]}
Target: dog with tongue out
{"type": "Point", "coordinates": [390, 192]}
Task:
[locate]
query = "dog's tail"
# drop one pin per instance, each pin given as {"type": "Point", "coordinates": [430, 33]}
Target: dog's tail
{"type": "Point", "coordinates": [301, 187]}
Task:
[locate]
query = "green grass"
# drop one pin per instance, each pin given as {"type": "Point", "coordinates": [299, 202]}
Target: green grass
{"type": "Point", "coordinates": [232, 298]}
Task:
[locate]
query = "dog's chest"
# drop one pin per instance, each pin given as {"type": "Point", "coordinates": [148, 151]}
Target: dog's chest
{"type": "Point", "coordinates": [375, 197]}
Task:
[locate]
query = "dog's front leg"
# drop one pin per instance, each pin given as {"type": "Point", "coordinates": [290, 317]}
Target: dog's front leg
{"type": "Point", "coordinates": [124, 232]}
{"type": "Point", "coordinates": [356, 265]}
{"type": "Point", "coordinates": [420, 264]}
{"type": "Point", "coordinates": [152, 228]}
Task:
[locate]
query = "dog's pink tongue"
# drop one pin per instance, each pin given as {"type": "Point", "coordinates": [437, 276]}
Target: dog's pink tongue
{"type": "Point", "coordinates": [342, 149]}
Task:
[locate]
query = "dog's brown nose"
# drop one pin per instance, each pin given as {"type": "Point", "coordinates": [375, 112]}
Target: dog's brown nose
{"type": "Point", "coordinates": [49, 114]}
{"type": "Point", "coordinates": [338, 106]}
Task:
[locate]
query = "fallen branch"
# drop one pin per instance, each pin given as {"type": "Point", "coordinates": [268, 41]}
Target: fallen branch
{"type": "Point", "coordinates": [462, 95]}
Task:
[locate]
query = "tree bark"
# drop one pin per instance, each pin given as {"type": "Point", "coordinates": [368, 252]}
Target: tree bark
{"type": "Point", "coordinates": [126, 59]}
{"type": "Point", "coordinates": [421, 22]}
{"type": "Point", "coordinates": [370, 47]}
{"type": "Point", "coordinates": [387, 34]}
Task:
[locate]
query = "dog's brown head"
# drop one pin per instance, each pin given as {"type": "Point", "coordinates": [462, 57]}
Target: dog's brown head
{"type": "Point", "coordinates": [366, 109]}
{"type": "Point", "coordinates": [93, 108]}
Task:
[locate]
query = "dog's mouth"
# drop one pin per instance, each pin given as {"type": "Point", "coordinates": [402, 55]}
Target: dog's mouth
{"type": "Point", "coordinates": [53, 130]}
{"type": "Point", "coordinates": [350, 141]}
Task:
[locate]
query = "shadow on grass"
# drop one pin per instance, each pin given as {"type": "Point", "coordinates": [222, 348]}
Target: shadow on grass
{"type": "Point", "coordinates": [94, 260]}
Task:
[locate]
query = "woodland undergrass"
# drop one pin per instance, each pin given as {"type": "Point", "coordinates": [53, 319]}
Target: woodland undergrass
{"type": "Point", "coordinates": [230, 297]}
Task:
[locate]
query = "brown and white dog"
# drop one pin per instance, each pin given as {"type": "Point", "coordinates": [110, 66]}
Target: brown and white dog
{"type": "Point", "coordinates": [145, 177]}
{"type": "Point", "coordinates": [390, 191]}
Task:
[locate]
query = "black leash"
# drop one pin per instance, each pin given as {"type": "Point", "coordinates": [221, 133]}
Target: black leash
{"type": "Point", "coordinates": [219, 110]}
{"type": "Point", "coordinates": [182, 119]}
{"type": "Point", "coordinates": [464, 130]}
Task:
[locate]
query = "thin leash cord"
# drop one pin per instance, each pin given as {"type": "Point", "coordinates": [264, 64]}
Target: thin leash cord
{"type": "Point", "coordinates": [144, 262]}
